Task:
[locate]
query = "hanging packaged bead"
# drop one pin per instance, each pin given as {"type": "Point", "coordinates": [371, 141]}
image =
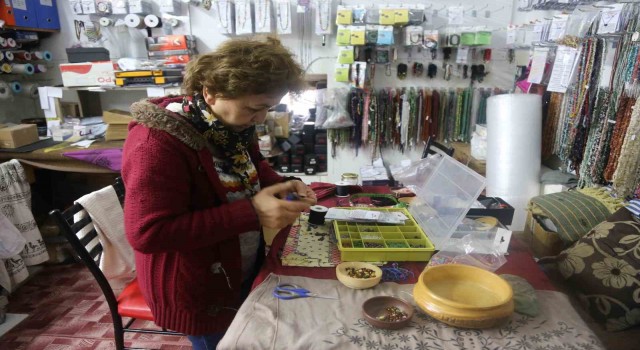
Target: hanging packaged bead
{"type": "Point", "coordinates": [357, 35]}
{"type": "Point", "coordinates": [359, 14]}
{"type": "Point", "coordinates": [413, 36]}
{"type": "Point", "coordinates": [382, 55]}
{"type": "Point", "coordinates": [341, 73]}
{"type": "Point", "coordinates": [371, 34]}
{"type": "Point", "coordinates": [416, 14]}
{"type": "Point", "coordinates": [401, 16]}
{"type": "Point", "coordinates": [344, 16]}
{"type": "Point", "coordinates": [387, 15]}
{"type": "Point", "coordinates": [346, 55]}
{"type": "Point", "coordinates": [385, 35]}
{"type": "Point", "coordinates": [343, 37]}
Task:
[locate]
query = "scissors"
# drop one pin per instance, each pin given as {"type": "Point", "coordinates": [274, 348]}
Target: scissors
{"type": "Point", "coordinates": [287, 291]}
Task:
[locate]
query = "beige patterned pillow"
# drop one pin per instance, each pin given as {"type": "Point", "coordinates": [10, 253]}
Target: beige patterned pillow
{"type": "Point", "coordinates": [604, 267]}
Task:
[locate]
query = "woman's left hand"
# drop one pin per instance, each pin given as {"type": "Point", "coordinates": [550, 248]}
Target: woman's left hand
{"type": "Point", "coordinates": [305, 192]}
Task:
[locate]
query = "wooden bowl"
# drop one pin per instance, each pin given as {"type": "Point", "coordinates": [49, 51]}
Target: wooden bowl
{"type": "Point", "coordinates": [375, 307]}
{"type": "Point", "coordinates": [358, 283]}
{"type": "Point", "coordinates": [464, 296]}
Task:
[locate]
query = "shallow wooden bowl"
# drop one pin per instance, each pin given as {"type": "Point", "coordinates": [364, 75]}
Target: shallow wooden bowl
{"type": "Point", "coordinates": [464, 296]}
{"type": "Point", "coordinates": [358, 283]}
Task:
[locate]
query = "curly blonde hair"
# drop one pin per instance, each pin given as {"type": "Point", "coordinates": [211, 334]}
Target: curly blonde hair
{"type": "Point", "coordinates": [243, 67]}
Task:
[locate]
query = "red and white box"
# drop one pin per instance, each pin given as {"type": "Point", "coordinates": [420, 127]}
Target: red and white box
{"type": "Point", "coordinates": [88, 73]}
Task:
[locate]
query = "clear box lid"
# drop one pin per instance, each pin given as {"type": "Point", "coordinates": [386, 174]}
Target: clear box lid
{"type": "Point", "coordinates": [445, 190]}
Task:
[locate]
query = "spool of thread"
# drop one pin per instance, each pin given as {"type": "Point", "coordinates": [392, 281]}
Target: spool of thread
{"type": "Point", "coordinates": [317, 214]}
{"type": "Point", "coordinates": [8, 55]}
{"type": "Point", "coordinates": [152, 21]}
{"type": "Point", "coordinates": [40, 68]}
{"type": "Point", "coordinates": [11, 42]}
{"type": "Point", "coordinates": [22, 55]}
{"type": "Point", "coordinates": [3, 42]}
{"type": "Point", "coordinates": [26, 68]}
{"type": "Point", "coordinates": [16, 87]}
{"type": "Point", "coordinates": [342, 189]}
{"type": "Point", "coordinates": [105, 22]}
{"type": "Point", "coordinates": [1, 55]}
{"type": "Point", "coordinates": [30, 89]}
{"type": "Point", "coordinates": [134, 21]}
{"type": "Point", "coordinates": [5, 91]}
{"type": "Point", "coordinates": [5, 68]}
{"type": "Point", "coordinates": [42, 55]}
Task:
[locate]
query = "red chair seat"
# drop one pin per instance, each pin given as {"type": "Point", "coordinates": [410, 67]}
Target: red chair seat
{"type": "Point", "coordinates": [132, 304]}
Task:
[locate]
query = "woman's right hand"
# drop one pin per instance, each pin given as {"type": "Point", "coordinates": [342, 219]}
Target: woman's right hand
{"type": "Point", "coordinates": [277, 213]}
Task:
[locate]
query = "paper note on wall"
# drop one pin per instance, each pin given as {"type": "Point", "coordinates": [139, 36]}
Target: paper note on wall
{"type": "Point", "coordinates": [563, 66]}
{"type": "Point", "coordinates": [538, 63]}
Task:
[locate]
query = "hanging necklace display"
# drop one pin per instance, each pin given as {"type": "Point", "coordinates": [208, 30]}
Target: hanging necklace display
{"type": "Point", "coordinates": [244, 24]}
{"type": "Point", "coordinates": [223, 12]}
{"type": "Point", "coordinates": [283, 13]}
{"type": "Point", "coordinates": [323, 17]}
{"type": "Point", "coordinates": [413, 35]}
{"type": "Point", "coordinates": [263, 16]}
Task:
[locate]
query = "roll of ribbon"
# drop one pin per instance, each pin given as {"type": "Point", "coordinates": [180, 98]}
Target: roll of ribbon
{"type": "Point", "coordinates": [22, 55]}
{"type": "Point", "coordinates": [5, 68]}
{"type": "Point", "coordinates": [342, 189]}
{"type": "Point", "coordinates": [5, 90]}
{"type": "Point", "coordinates": [40, 68]}
{"type": "Point", "coordinates": [134, 21]}
{"type": "Point", "coordinates": [16, 87]}
{"type": "Point", "coordinates": [106, 22]}
{"type": "Point", "coordinates": [42, 55]}
{"type": "Point", "coordinates": [30, 89]}
{"type": "Point", "coordinates": [26, 68]}
{"type": "Point", "coordinates": [8, 55]}
{"type": "Point", "coordinates": [11, 42]}
{"type": "Point", "coordinates": [317, 214]}
{"type": "Point", "coordinates": [152, 21]}
{"type": "Point", "coordinates": [3, 42]}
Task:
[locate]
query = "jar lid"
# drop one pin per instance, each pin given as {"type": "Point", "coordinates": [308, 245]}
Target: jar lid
{"type": "Point", "coordinates": [349, 176]}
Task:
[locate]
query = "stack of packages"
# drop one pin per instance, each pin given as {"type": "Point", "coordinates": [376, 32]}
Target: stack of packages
{"type": "Point", "coordinates": [117, 124]}
{"type": "Point", "coordinates": [174, 50]}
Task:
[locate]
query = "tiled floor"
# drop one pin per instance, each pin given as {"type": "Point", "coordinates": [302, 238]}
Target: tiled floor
{"type": "Point", "coordinates": [67, 311]}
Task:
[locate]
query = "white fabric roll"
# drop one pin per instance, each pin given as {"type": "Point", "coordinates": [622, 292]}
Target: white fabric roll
{"type": "Point", "coordinates": [514, 132]}
{"type": "Point", "coordinates": [134, 21]}
{"type": "Point", "coordinates": [5, 90]}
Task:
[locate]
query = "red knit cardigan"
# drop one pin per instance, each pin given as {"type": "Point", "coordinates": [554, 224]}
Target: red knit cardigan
{"type": "Point", "coordinates": [178, 220]}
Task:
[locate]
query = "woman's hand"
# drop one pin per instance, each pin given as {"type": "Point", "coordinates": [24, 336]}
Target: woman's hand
{"type": "Point", "coordinates": [277, 213]}
{"type": "Point", "coordinates": [305, 192]}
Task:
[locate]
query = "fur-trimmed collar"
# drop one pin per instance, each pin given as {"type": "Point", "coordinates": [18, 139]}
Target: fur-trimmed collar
{"type": "Point", "coordinates": [152, 114]}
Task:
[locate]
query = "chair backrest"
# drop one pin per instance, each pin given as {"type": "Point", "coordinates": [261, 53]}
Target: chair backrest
{"type": "Point", "coordinates": [83, 237]}
{"type": "Point", "coordinates": [428, 148]}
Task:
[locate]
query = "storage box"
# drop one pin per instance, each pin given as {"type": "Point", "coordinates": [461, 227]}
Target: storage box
{"type": "Point", "coordinates": [115, 116]}
{"type": "Point", "coordinates": [495, 207]}
{"type": "Point", "coordinates": [379, 242]}
{"type": "Point", "coordinates": [14, 136]}
{"type": "Point", "coordinates": [87, 74]}
{"type": "Point", "coordinates": [541, 241]}
{"type": "Point", "coordinates": [87, 54]}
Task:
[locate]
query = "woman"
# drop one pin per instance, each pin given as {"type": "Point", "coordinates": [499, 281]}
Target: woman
{"type": "Point", "coordinates": [198, 190]}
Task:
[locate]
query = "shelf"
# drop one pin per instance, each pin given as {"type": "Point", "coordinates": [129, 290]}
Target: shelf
{"type": "Point", "coordinates": [31, 29]}
{"type": "Point", "coordinates": [301, 174]}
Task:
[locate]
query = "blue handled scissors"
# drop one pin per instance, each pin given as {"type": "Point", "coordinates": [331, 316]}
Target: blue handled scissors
{"type": "Point", "coordinates": [288, 291]}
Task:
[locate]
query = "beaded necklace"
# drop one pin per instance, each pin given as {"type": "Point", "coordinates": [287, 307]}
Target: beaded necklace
{"type": "Point", "coordinates": [626, 177]}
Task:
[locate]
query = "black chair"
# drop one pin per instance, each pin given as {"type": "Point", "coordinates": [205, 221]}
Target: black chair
{"type": "Point", "coordinates": [130, 303]}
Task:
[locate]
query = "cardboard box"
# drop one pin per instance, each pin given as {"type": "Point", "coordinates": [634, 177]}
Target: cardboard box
{"type": "Point", "coordinates": [115, 116]}
{"type": "Point", "coordinates": [14, 136]}
{"type": "Point", "coordinates": [542, 242]}
{"type": "Point", "coordinates": [88, 73]}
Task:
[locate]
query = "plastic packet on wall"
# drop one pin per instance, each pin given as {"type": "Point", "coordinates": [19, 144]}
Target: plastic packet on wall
{"type": "Point", "coordinates": [337, 113]}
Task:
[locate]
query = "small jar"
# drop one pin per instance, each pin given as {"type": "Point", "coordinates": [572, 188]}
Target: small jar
{"type": "Point", "coordinates": [350, 178]}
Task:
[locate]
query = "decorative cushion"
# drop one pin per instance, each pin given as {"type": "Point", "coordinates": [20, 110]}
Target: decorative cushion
{"type": "Point", "coordinates": [604, 268]}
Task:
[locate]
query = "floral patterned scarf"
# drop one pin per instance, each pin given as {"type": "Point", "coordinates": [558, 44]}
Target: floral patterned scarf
{"type": "Point", "coordinates": [232, 145]}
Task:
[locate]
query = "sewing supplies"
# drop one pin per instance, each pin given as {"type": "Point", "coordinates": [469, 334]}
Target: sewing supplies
{"type": "Point", "coordinates": [342, 189]}
{"type": "Point", "coordinates": [317, 214]}
{"type": "Point", "coordinates": [394, 273]}
{"type": "Point", "coordinates": [288, 291]}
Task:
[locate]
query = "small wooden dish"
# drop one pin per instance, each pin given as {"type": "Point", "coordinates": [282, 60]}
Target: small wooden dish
{"type": "Point", "coordinates": [376, 307]}
{"type": "Point", "coordinates": [358, 283]}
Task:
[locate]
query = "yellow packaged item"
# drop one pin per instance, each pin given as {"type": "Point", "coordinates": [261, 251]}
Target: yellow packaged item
{"type": "Point", "coordinates": [346, 55]}
{"type": "Point", "coordinates": [401, 16]}
{"type": "Point", "coordinates": [342, 73]}
{"type": "Point", "coordinates": [344, 16]}
{"type": "Point", "coordinates": [387, 16]}
{"type": "Point", "coordinates": [357, 35]}
{"type": "Point", "coordinates": [343, 37]}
